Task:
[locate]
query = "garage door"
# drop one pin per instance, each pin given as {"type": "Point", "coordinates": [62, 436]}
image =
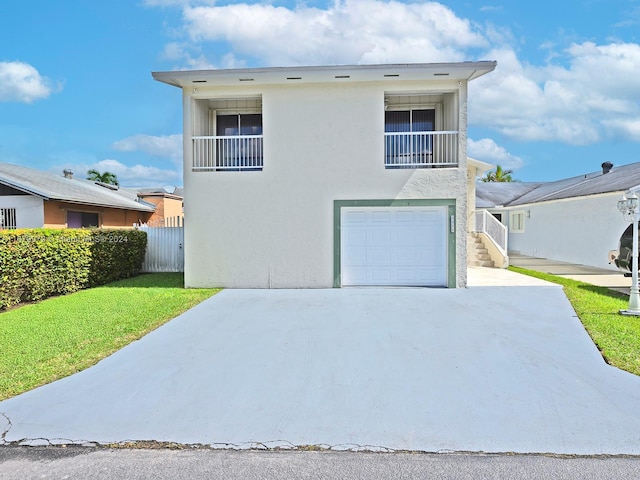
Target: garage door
{"type": "Point", "coordinates": [395, 246]}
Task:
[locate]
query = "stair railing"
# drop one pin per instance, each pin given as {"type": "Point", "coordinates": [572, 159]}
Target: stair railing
{"type": "Point", "coordinates": [492, 227]}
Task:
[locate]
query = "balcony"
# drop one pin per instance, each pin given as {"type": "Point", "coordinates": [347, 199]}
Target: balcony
{"type": "Point", "coordinates": [421, 149]}
{"type": "Point", "coordinates": [230, 153]}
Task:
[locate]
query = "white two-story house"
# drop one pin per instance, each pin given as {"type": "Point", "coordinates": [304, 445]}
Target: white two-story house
{"type": "Point", "coordinates": [330, 176]}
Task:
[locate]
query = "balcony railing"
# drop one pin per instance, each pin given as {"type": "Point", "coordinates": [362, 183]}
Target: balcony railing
{"type": "Point", "coordinates": [234, 153]}
{"type": "Point", "coordinates": [421, 149]}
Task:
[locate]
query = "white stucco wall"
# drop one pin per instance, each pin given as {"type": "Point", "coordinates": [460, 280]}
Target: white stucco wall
{"type": "Point", "coordinates": [322, 142]}
{"type": "Point", "coordinates": [580, 230]}
{"type": "Point", "coordinates": [29, 210]}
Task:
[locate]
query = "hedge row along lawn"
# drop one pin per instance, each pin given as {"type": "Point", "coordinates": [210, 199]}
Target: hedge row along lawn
{"type": "Point", "coordinates": [45, 341]}
{"type": "Point", "coordinates": [616, 336]}
{"type": "Point", "coordinates": [37, 263]}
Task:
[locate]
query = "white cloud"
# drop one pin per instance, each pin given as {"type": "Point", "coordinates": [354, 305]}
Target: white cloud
{"type": "Point", "coordinates": [595, 96]}
{"type": "Point", "coordinates": [20, 82]}
{"type": "Point", "coordinates": [161, 146]}
{"type": "Point", "coordinates": [349, 31]}
{"type": "Point", "coordinates": [182, 53]}
{"type": "Point", "coordinates": [136, 175]}
{"type": "Point", "coordinates": [167, 146]}
{"type": "Point", "coordinates": [629, 128]}
{"type": "Point", "coordinates": [487, 150]}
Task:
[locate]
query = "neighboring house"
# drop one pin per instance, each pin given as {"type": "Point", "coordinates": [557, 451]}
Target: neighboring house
{"type": "Point", "coordinates": [169, 205]}
{"type": "Point", "coordinates": [573, 220]}
{"type": "Point", "coordinates": [326, 176]}
{"type": "Point", "coordinates": [32, 198]}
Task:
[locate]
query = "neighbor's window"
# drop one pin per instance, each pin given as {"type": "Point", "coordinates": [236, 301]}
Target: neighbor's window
{"type": "Point", "coordinates": [8, 218]}
{"type": "Point", "coordinates": [82, 219]}
{"type": "Point", "coordinates": [517, 222]}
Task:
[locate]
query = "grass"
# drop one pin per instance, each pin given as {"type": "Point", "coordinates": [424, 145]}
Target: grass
{"type": "Point", "coordinates": [616, 336]}
{"type": "Point", "coordinates": [45, 341]}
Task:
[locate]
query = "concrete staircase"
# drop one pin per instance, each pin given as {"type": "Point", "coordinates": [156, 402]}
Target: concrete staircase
{"type": "Point", "coordinates": [477, 253]}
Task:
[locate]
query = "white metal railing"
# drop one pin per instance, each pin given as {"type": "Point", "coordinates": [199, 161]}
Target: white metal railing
{"type": "Point", "coordinates": [420, 149]}
{"type": "Point", "coordinates": [488, 224]}
{"type": "Point", "coordinates": [238, 152]}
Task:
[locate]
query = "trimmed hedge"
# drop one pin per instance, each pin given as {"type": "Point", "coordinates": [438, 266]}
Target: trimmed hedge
{"type": "Point", "coordinates": [38, 263]}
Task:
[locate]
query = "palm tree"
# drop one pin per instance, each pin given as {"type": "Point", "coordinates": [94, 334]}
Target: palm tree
{"type": "Point", "coordinates": [106, 177]}
{"type": "Point", "coordinates": [499, 175]}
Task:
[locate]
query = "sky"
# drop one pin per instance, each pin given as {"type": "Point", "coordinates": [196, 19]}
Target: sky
{"type": "Point", "coordinates": [76, 89]}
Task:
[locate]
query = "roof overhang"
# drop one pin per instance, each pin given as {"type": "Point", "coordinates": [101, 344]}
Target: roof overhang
{"type": "Point", "coordinates": [170, 196]}
{"type": "Point", "coordinates": [22, 188]}
{"type": "Point", "coordinates": [481, 167]}
{"type": "Point", "coordinates": [323, 74]}
{"type": "Point", "coordinates": [141, 205]}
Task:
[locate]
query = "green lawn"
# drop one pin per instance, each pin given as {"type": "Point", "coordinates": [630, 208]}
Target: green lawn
{"type": "Point", "coordinates": [59, 336]}
{"type": "Point", "coordinates": [617, 336]}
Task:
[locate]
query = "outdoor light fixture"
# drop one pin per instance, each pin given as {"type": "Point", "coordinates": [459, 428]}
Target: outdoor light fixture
{"type": "Point", "coordinates": [629, 209]}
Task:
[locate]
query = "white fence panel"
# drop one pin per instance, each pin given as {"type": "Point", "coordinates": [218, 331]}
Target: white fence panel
{"type": "Point", "coordinates": [165, 249]}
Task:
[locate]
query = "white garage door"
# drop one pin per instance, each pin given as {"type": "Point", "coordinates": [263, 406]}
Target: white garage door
{"type": "Point", "coordinates": [400, 246]}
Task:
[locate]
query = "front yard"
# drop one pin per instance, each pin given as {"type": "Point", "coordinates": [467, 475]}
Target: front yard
{"type": "Point", "coordinates": [616, 336]}
{"type": "Point", "coordinates": [45, 341]}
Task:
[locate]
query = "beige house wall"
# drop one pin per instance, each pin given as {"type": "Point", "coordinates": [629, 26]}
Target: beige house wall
{"type": "Point", "coordinates": [166, 208]}
{"type": "Point", "coordinates": [173, 207]}
{"type": "Point", "coordinates": [55, 215]}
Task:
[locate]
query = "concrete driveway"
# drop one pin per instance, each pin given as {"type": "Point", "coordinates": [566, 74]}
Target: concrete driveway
{"type": "Point", "coordinates": [493, 369]}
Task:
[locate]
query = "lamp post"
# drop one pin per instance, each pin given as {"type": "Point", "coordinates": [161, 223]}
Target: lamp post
{"type": "Point", "coordinates": [629, 209]}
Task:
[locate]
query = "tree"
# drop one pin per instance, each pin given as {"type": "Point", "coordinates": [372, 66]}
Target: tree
{"type": "Point", "coordinates": [106, 177]}
{"type": "Point", "coordinates": [499, 175]}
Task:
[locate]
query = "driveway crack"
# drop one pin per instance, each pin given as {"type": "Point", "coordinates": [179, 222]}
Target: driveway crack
{"type": "Point", "coordinates": [5, 428]}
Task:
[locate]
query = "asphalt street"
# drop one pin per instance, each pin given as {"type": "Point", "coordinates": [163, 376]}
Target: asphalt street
{"type": "Point", "coordinates": [26, 463]}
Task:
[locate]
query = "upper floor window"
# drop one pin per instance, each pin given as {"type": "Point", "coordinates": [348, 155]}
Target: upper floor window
{"type": "Point", "coordinates": [239, 124]}
{"type": "Point", "coordinates": [414, 133]}
{"type": "Point", "coordinates": [228, 135]}
{"type": "Point", "coordinates": [408, 143]}
{"type": "Point", "coordinates": [238, 142]}
{"type": "Point", "coordinates": [410, 120]}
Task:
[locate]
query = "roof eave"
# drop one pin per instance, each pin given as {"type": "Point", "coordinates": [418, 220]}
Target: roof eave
{"type": "Point", "coordinates": [479, 165]}
{"type": "Point", "coordinates": [24, 189]}
{"type": "Point", "coordinates": [319, 74]}
{"type": "Point", "coordinates": [140, 208]}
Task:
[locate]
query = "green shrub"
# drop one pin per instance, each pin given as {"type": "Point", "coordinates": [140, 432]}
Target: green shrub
{"type": "Point", "coordinates": [116, 254]}
{"type": "Point", "coordinates": [39, 263]}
